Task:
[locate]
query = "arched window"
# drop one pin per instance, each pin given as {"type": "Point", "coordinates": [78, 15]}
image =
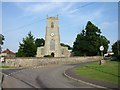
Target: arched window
{"type": "Point", "coordinates": [52, 25]}
{"type": "Point", "coordinates": [52, 44]}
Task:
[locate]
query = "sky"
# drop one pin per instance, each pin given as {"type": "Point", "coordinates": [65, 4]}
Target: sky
{"type": "Point", "coordinates": [19, 18]}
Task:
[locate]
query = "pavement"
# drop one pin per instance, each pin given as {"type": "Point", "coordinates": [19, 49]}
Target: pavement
{"type": "Point", "coordinates": [90, 81]}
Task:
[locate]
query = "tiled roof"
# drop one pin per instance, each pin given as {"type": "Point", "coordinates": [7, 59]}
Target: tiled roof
{"type": "Point", "coordinates": [8, 51]}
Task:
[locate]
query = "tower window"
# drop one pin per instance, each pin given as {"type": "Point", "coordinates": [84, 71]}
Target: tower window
{"type": "Point", "coordinates": [52, 45]}
{"type": "Point", "coordinates": [52, 25]}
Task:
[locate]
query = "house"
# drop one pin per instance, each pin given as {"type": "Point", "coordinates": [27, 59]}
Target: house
{"type": "Point", "coordinates": [109, 54]}
{"type": "Point", "coordinates": [7, 54]}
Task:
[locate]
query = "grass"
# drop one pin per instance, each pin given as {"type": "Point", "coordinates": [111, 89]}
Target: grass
{"type": "Point", "coordinates": [6, 67]}
{"type": "Point", "coordinates": [107, 72]}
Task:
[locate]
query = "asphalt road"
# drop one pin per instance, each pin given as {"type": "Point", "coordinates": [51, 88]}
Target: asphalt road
{"type": "Point", "coordinates": [41, 77]}
{"type": "Point", "coordinates": [8, 71]}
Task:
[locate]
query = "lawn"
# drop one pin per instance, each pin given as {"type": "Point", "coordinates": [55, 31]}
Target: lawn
{"type": "Point", "coordinates": [6, 67]}
{"type": "Point", "coordinates": [107, 72]}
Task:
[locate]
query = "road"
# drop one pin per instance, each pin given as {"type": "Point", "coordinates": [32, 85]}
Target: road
{"type": "Point", "coordinates": [41, 77]}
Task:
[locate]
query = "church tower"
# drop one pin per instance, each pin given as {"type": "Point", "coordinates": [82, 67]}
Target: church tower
{"type": "Point", "coordinates": [52, 41]}
{"type": "Point", "coordinates": [52, 37]}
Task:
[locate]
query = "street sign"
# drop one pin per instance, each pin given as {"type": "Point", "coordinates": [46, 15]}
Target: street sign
{"type": "Point", "coordinates": [101, 48]}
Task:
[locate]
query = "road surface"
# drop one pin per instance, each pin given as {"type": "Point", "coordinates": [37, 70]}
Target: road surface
{"type": "Point", "coordinates": [41, 77]}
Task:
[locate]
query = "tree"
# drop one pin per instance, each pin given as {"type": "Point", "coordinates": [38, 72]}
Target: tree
{"type": "Point", "coordinates": [1, 41]}
{"type": "Point", "coordinates": [89, 41]}
{"type": "Point", "coordinates": [116, 48]}
{"type": "Point", "coordinates": [39, 42]}
{"type": "Point", "coordinates": [28, 47]}
{"type": "Point", "coordinates": [80, 45]}
{"type": "Point", "coordinates": [65, 45]}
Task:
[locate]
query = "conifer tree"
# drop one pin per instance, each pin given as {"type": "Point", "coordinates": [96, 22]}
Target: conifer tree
{"type": "Point", "coordinates": [27, 48]}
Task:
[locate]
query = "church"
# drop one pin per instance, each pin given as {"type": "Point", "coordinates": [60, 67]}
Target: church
{"type": "Point", "coordinates": [52, 41]}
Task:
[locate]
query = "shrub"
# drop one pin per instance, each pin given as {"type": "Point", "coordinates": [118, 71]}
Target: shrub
{"type": "Point", "coordinates": [48, 56]}
{"type": "Point", "coordinates": [118, 57]}
{"type": "Point", "coordinates": [115, 58]}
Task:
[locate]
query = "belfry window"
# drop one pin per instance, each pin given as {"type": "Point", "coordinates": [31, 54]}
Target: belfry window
{"type": "Point", "coordinates": [52, 25]}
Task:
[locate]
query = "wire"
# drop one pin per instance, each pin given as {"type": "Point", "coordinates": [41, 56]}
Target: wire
{"type": "Point", "coordinates": [24, 26]}
{"type": "Point", "coordinates": [30, 24]}
{"type": "Point", "coordinates": [86, 5]}
{"type": "Point", "coordinates": [82, 6]}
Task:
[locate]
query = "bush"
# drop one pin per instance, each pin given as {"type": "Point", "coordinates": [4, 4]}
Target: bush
{"type": "Point", "coordinates": [115, 58]}
{"type": "Point", "coordinates": [118, 57]}
{"type": "Point", "coordinates": [48, 56]}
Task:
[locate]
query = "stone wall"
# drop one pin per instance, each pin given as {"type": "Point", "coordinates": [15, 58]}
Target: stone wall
{"type": "Point", "coordinates": [31, 62]}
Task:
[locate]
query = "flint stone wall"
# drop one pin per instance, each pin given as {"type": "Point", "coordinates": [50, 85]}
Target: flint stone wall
{"type": "Point", "coordinates": [30, 62]}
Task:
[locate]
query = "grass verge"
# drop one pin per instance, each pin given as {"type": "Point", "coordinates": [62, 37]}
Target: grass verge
{"type": "Point", "coordinates": [6, 67]}
{"type": "Point", "coordinates": [107, 72]}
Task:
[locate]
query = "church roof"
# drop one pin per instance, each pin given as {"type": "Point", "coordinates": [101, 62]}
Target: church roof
{"type": "Point", "coordinates": [8, 51]}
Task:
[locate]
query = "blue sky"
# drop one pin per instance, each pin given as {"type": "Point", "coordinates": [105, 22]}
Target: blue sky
{"type": "Point", "coordinates": [19, 18]}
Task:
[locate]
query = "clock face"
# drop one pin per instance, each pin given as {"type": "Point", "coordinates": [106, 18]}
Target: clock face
{"type": "Point", "coordinates": [52, 34]}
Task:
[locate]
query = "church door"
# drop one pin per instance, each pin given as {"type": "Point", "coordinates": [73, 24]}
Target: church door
{"type": "Point", "coordinates": [52, 54]}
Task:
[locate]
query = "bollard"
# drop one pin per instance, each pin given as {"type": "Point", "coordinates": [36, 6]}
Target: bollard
{"type": "Point", "coordinates": [101, 62]}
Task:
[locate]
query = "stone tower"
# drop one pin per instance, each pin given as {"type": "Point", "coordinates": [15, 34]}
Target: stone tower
{"type": "Point", "coordinates": [52, 41]}
{"type": "Point", "coordinates": [52, 37]}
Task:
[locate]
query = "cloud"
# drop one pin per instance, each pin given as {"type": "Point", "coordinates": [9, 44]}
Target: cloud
{"type": "Point", "coordinates": [43, 7]}
{"type": "Point", "coordinates": [83, 17]}
{"type": "Point", "coordinates": [110, 30]}
{"type": "Point", "coordinates": [47, 7]}
{"type": "Point", "coordinates": [73, 11]}
{"type": "Point", "coordinates": [33, 8]}
{"type": "Point", "coordinates": [0, 18]}
{"type": "Point", "coordinates": [60, 0]}
{"type": "Point", "coordinates": [106, 25]}
{"type": "Point", "coordinates": [68, 9]}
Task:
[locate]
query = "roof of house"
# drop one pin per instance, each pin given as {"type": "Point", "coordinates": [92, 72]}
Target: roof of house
{"type": "Point", "coordinates": [8, 51]}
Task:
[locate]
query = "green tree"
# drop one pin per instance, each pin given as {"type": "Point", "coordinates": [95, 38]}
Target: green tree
{"type": "Point", "coordinates": [1, 39]}
{"type": "Point", "coordinates": [27, 48]}
{"type": "Point", "coordinates": [116, 48]}
{"type": "Point", "coordinates": [39, 42]}
{"type": "Point", "coordinates": [89, 41]}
